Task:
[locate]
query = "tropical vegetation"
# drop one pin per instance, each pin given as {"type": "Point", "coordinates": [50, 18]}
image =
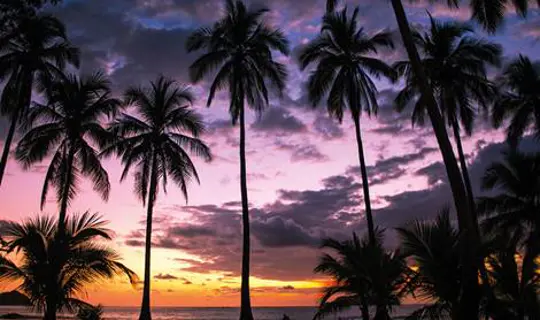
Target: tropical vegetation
{"type": "Point", "coordinates": [156, 142]}
{"type": "Point", "coordinates": [482, 264]}
{"type": "Point", "coordinates": [239, 48]}
{"type": "Point", "coordinates": [54, 270]}
{"type": "Point", "coordinates": [456, 63]}
{"type": "Point", "coordinates": [33, 53]}
{"type": "Point", "coordinates": [342, 54]}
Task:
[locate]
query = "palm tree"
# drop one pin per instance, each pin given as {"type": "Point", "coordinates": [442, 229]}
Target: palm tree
{"type": "Point", "coordinates": [490, 13]}
{"type": "Point", "coordinates": [519, 99]}
{"type": "Point", "coordinates": [32, 54]}
{"type": "Point", "coordinates": [157, 143]}
{"type": "Point", "coordinates": [455, 63]}
{"type": "Point", "coordinates": [53, 271]}
{"type": "Point", "coordinates": [68, 127]}
{"type": "Point", "coordinates": [515, 206]}
{"type": "Point", "coordinates": [466, 219]}
{"type": "Point", "coordinates": [515, 291]}
{"type": "Point", "coordinates": [240, 47]}
{"type": "Point", "coordinates": [344, 66]}
{"type": "Point", "coordinates": [365, 275]}
{"type": "Point", "coordinates": [435, 252]}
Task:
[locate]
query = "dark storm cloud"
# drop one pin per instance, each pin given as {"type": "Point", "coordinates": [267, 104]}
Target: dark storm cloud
{"type": "Point", "coordinates": [191, 231]}
{"type": "Point", "coordinates": [278, 121]}
{"type": "Point", "coordinates": [435, 173]}
{"type": "Point", "coordinates": [286, 232]}
{"type": "Point", "coordinates": [392, 168]}
{"type": "Point", "coordinates": [301, 151]}
{"type": "Point", "coordinates": [277, 232]}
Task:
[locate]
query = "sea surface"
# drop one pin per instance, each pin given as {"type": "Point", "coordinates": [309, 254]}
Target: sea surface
{"type": "Point", "coordinates": [181, 313]}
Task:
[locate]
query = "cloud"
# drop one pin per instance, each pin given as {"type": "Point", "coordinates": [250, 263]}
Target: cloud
{"type": "Point", "coordinates": [300, 151]}
{"type": "Point", "coordinates": [280, 121]}
{"type": "Point", "coordinates": [277, 232]}
{"type": "Point", "coordinates": [165, 276]}
{"type": "Point", "coordinates": [192, 231]}
{"type": "Point", "coordinates": [327, 128]}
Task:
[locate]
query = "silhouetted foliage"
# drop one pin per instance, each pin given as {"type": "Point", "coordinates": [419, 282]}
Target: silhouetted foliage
{"type": "Point", "coordinates": [365, 275]}
{"type": "Point", "coordinates": [239, 46]}
{"type": "Point", "coordinates": [32, 55]}
{"type": "Point", "coordinates": [67, 127]}
{"type": "Point", "coordinates": [54, 269]}
{"type": "Point", "coordinates": [342, 54]}
{"type": "Point", "coordinates": [519, 100]}
{"type": "Point", "coordinates": [156, 144]}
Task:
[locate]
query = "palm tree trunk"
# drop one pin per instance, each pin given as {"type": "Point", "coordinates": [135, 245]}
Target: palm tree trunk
{"type": "Point", "coordinates": [364, 310]}
{"type": "Point", "coordinates": [65, 193]}
{"type": "Point", "coordinates": [464, 171]}
{"type": "Point", "coordinates": [365, 182]}
{"type": "Point", "coordinates": [467, 224]}
{"type": "Point", "coordinates": [50, 310]}
{"type": "Point", "coordinates": [7, 144]}
{"type": "Point", "coordinates": [145, 306]}
{"type": "Point", "coordinates": [23, 96]}
{"type": "Point", "coordinates": [245, 303]}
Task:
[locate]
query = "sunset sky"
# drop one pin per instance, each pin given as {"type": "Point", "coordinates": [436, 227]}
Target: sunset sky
{"type": "Point", "coordinates": [303, 175]}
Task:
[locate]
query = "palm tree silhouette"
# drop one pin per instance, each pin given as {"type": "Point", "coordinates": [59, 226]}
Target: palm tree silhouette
{"type": "Point", "coordinates": [468, 225]}
{"type": "Point", "coordinates": [519, 100]}
{"type": "Point", "coordinates": [68, 128]}
{"type": "Point", "coordinates": [455, 63]}
{"type": "Point", "coordinates": [33, 53]}
{"type": "Point", "coordinates": [54, 270]}
{"type": "Point", "coordinates": [364, 275]}
{"type": "Point", "coordinates": [515, 290]}
{"type": "Point", "coordinates": [240, 47]}
{"type": "Point", "coordinates": [435, 250]}
{"type": "Point", "coordinates": [515, 208]}
{"type": "Point", "coordinates": [344, 65]}
{"type": "Point", "coordinates": [155, 144]}
{"type": "Point", "coordinates": [490, 13]}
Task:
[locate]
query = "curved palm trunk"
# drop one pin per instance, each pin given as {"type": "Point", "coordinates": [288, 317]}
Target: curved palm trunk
{"type": "Point", "coordinates": [365, 182]}
{"type": "Point", "coordinates": [469, 301]}
{"type": "Point", "coordinates": [245, 303]}
{"type": "Point", "coordinates": [145, 306]}
{"type": "Point", "coordinates": [23, 98]}
{"type": "Point", "coordinates": [7, 144]}
{"type": "Point", "coordinates": [464, 171]}
{"type": "Point", "coordinates": [65, 194]}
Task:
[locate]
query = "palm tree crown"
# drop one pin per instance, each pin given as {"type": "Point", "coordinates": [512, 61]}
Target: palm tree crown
{"type": "Point", "coordinates": [155, 144]}
{"type": "Point", "coordinates": [159, 137]}
{"type": "Point", "coordinates": [519, 99]}
{"type": "Point", "coordinates": [33, 53]}
{"type": "Point", "coordinates": [435, 250]}
{"type": "Point", "coordinates": [55, 272]}
{"type": "Point", "coordinates": [344, 65]}
{"type": "Point", "coordinates": [456, 65]}
{"type": "Point", "coordinates": [240, 46]}
{"type": "Point", "coordinates": [365, 275]}
{"type": "Point", "coordinates": [490, 13]}
{"type": "Point", "coordinates": [512, 215]}
{"type": "Point", "coordinates": [515, 207]}
{"type": "Point", "coordinates": [68, 127]}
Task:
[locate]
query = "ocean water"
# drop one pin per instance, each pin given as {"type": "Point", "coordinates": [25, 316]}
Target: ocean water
{"type": "Point", "coordinates": [181, 313]}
